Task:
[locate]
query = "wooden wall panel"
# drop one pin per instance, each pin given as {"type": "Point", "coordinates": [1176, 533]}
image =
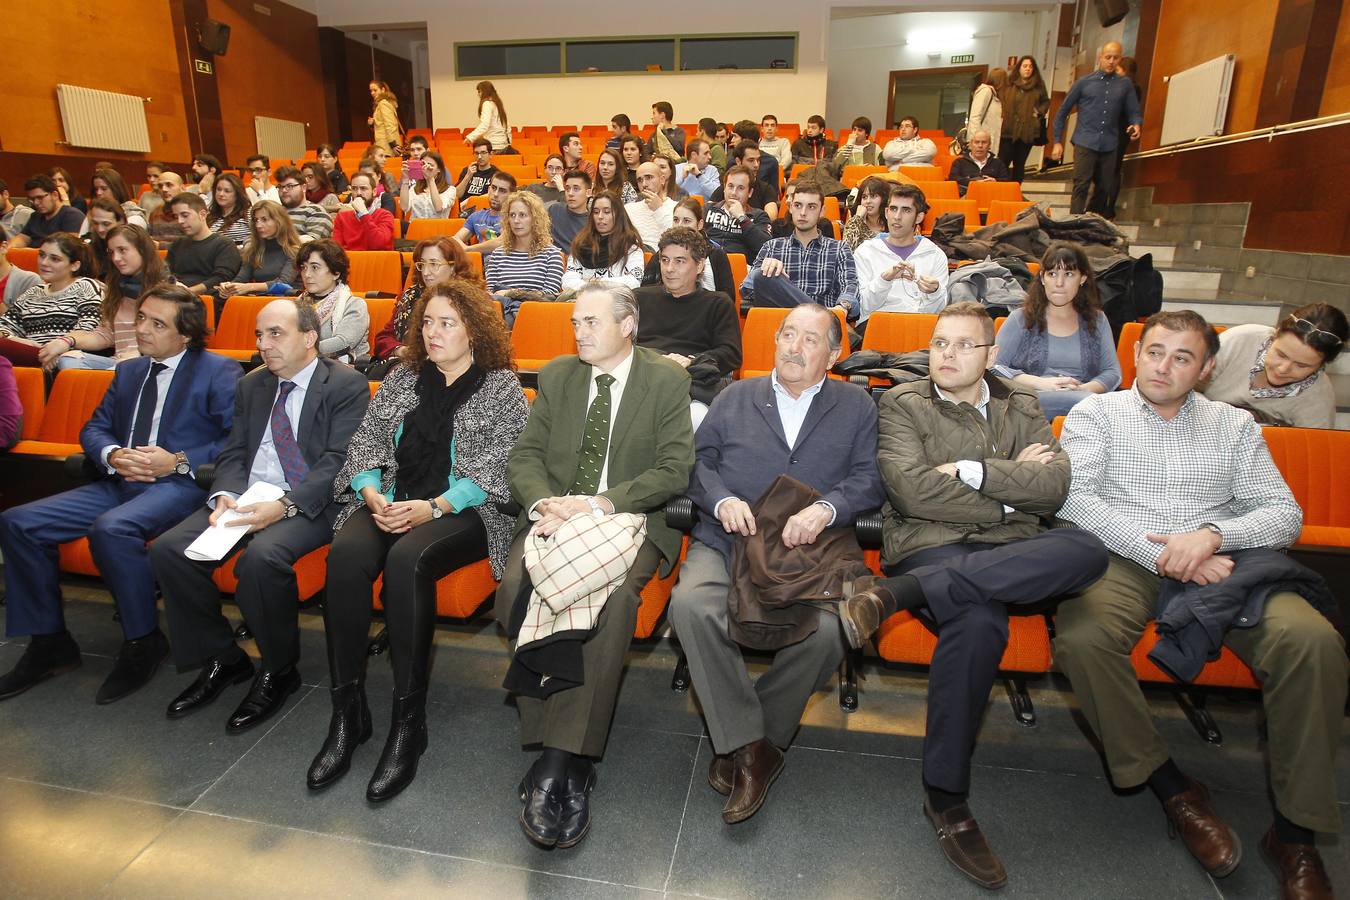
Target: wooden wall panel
{"type": "Point", "coordinates": [127, 47]}
{"type": "Point", "coordinates": [1190, 33]}
{"type": "Point", "coordinates": [1336, 94]}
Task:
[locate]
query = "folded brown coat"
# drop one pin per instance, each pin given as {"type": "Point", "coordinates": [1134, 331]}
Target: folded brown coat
{"type": "Point", "coordinates": [776, 591]}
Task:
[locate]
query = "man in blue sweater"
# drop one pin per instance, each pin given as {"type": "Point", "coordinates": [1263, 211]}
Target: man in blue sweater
{"type": "Point", "coordinates": [1103, 99]}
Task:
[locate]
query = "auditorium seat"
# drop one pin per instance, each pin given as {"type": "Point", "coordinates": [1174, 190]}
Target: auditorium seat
{"type": "Point", "coordinates": [899, 332]}
{"type": "Point", "coordinates": [421, 229]}
{"type": "Point", "coordinates": [33, 398]}
{"type": "Point", "coordinates": [854, 175]}
{"type": "Point", "coordinates": [311, 570]}
{"type": "Point", "coordinates": [75, 394]}
{"type": "Point", "coordinates": [739, 268]}
{"type": "Point", "coordinates": [922, 173]}
{"type": "Point", "coordinates": [830, 209]}
{"type": "Point", "coordinates": [1004, 210]}
{"type": "Point", "coordinates": [236, 334]}
{"type": "Point", "coordinates": [375, 270]}
{"type": "Point", "coordinates": [23, 257]}
{"type": "Point", "coordinates": [381, 310]}
{"type": "Point", "coordinates": [939, 190]}
{"type": "Point", "coordinates": [937, 208]}
{"type": "Point", "coordinates": [757, 339]}
{"type": "Point", "coordinates": [1130, 333]}
{"type": "Point", "coordinates": [542, 331]}
{"type": "Point", "coordinates": [1313, 462]}
{"type": "Point", "coordinates": [986, 192]}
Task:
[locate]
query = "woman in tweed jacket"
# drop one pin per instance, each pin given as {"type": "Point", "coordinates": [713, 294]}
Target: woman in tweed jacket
{"type": "Point", "coordinates": [424, 473]}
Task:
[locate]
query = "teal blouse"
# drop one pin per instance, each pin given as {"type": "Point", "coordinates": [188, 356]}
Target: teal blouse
{"type": "Point", "coordinates": [461, 494]}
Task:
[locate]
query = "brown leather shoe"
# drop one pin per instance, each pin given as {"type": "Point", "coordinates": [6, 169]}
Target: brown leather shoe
{"type": "Point", "coordinates": [1299, 868]}
{"type": "Point", "coordinates": [865, 606]}
{"type": "Point", "coordinates": [721, 773]}
{"type": "Point", "coordinates": [756, 767]}
{"type": "Point", "coordinates": [963, 842]}
{"type": "Point", "coordinates": [1214, 845]}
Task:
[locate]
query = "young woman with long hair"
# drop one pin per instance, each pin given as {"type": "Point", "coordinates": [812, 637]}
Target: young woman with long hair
{"type": "Point", "coordinates": [869, 219]}
{"type": "Point", "coordinates": [527, 265]}
{"type": "Point", "coordinates": [431, 196]}
{"type": "Point", "coordinates": [332, 168]}
{"type": "Point", "coordinates": [134, 267]}
{"type": "Point", "coordinates": [268, 254]}
{"type": "Point", "coordinates": [228, 212]}
{"type": "Point", "coordinates": [492, 122]}
{"type": "Point", "coordinates": [59, 314]}
{"type": "Point", "coordinates": [612, 175]}
{"type": "Point", "coordinates": [608, 248]}
{"type": "Point", "coordinates": [104, 213]}
{"type": "Point", "coordinates": [384, 117]}
{"type": "Point", "coordinates": [109, 183]}
{"type": "Point", "coordinates": [1025, 104]}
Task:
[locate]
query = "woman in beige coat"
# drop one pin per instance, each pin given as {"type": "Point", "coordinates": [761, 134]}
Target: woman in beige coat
{"type": "Point", "coordinates": [384, 118]}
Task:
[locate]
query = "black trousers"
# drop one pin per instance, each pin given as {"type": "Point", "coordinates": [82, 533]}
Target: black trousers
{"type": "Point", "coordinates": [412, 563]}
{"type": "Point", "coordinates": [969, 589]}
{"type": "Point", "coordinates": [1015, 154]}
{"type": "Point", "coordinates": [267, 595]}
{"type": "Point", "coordinates": [1093, 171]}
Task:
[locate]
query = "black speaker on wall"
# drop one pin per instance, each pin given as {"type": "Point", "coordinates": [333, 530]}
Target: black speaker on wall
{"type": "Point", "coordinates": [214, 37]}
{"type": "Point", "coordinates": [1112, 11]}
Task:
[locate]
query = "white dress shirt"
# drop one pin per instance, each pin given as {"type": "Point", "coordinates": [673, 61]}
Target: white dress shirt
{"type": "Point", "coordinates": [266, 464]}
{"type": "Point", "coordinates": [620, 375]}
{"type": "Point", "coordinates": [162, 382]}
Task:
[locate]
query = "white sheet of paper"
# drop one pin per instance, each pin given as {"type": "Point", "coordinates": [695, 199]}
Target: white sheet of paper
{"type": "Point", "coordinates": [218, 539]}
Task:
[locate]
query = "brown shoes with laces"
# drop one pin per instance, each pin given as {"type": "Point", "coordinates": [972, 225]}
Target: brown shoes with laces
{"type": "Point", "coordinates": [1191, 817]}
{"type": "Point", "coordinates": [963, 842]}
{"type": "Point", "coordinates": [865, 606]}
{"type": "Point", "coordinates": [1299, 868]}
{"type": "Point", "coordinates": [756, 766]}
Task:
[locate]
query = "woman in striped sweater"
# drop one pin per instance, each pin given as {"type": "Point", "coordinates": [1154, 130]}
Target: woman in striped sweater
{"type": "Point", "coordinates": [229, 211]}
{"type": "Point", "coordinates": [58, 315]}
{"type": "Point", "coordinates": [134, 267]}
{"type": "Point", "coordinates": [526, 266]}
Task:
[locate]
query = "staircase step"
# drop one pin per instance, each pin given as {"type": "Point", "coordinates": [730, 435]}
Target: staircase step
{"type": "Point", "coordinates": [1220, 309]}
{"type": "Point", "coordinates": [1045, 196]}
{"type": "Point", "coordinates": [1048, 185]}
{"type": "Point", "coordinates": [1189, 279]}
{"type": "Point", "coordinates": [1162, 253]}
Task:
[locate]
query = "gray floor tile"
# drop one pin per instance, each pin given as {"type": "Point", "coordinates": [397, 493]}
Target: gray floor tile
{"type": "Point", "coordinates": [61, 843]}
{"type": "Point", "coordinates": [201, 856]}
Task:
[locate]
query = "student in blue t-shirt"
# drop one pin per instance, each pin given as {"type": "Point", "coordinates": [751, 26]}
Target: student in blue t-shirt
{"type": "Point", "coordinates": [484, 226]}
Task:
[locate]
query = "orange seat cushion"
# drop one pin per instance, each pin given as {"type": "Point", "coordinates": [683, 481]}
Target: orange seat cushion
{"type": "Point", "coordinates": [1226, 671]}
{"type": "Point", "coordinates": [311, 571]}
{"type": "Point", "coordinates": [905, 639]}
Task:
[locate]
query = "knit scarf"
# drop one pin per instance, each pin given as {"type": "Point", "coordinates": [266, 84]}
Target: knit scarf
{"type": "Point", "coordinates": [423, 452]}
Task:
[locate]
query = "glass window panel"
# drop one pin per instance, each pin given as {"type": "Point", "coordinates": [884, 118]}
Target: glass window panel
{"type": "Point", "coordinates": [747, 52]}
{"type": "Point", "coordinates": [488, 60]}
{"type": "Point", "coordinates": [620, 56]}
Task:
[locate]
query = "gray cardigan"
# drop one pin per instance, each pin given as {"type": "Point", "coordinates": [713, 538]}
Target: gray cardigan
{"type": "Point", "coordinates": [19, 281]}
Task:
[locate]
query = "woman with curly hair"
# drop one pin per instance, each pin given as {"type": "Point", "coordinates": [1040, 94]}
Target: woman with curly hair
{"type": "Point", "coordinates": [435, 260]}
{"type": "Point", "coordinates": [384, 116]}
{"type": "Point", "coordinates": [418, 494]}
{"type": "Point", "coordinates": [527, 266]}
{"type": "Point", "coordinates": [229, 211]}
{"type": "Point", "coordinates": [1059, 343]}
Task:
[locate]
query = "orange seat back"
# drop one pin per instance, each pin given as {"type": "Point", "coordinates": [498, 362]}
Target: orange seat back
{"type": "Point", "coordinates": [986, 192]}
{"type": "Point", "coordinates": [381, 310]}
{"type": "Point", "coordinates": [1130, 333]}
{"type": "Point", "coordinates": [854, 175]}
{"type": "Point", "coordinates": [739, 269]}
{"type": "Point", "coordinates": [421, 229]}
{"type": "Point", "coordinates": [1004, 210]}
{"type": "Point", "coordinates": [922, 173]}
{"type": "Point", "coordinates": [938, 208]}
{"type": "Point", "coordinates": [75, 395]}
{"type": "Point", "coordinates": [831, 208]}
{"type": "Point", "coordinates": [375, 270]}
{"type": "Point", "coordinates": [757, 339]}
{"type": "Point", "coordinates": [236, 329]}
{"type": "Point", "coordinates": [899, 332]}
{"type": "Point", "coordinates": [939, 190]}
{"type": "Point", "coordinates": [1313, 462]}
{"type": "Point", "coordinates": [23, 257]}
{"type": "Point", "coordinates": [32, 396]}
{"type": "Point", "coordinates": [542, 331]}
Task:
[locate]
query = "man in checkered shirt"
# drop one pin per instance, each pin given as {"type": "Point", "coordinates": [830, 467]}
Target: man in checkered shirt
{"type": "Point", "coordinates": [1172, 482]}
{"type": "Point", "coordinates": [806, 267]}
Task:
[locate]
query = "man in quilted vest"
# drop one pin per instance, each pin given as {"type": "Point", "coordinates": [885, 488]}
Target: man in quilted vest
{"type": "Point", "coordinates": [973, 478]}
{"type": "Point", "coordinates": [609, 433]}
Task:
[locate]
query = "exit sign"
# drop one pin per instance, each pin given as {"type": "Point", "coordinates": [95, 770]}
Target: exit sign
{"type": "Point", "coordinates": [203, 66]}
{"type": "Point", "coordinates": [967, 58]}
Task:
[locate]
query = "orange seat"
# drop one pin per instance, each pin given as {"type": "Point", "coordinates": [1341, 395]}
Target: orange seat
{"type": "Point", "coordinates": [922, 173]}
{"type": "Point", "coordinates": [899, 332]}
{"type": "Point", "coordinates": [23, 257]}
{"type": "Point", "coordinates": [459, 594]}
{"type": "Point", "coordinates": [469, 204]}
{"type": "Point", "coordinates": [235, 335]}
{"type": "Point", "coordinates": [986, 192]}
{"type": "Point", "coordinates": [739, 268]}
{"type": "Point", "coordinates": [757, 339]}
{"type": "Point", "coordinates": [542, 331]}
{"type": "Point", "coordinates": [998, 323]}
{"type": "Point", "coordinates": [905, 639]}
{"type": "Point", "coordinates": [1312, 461]}
{"type": "Point", "coordinates": [939, 190]}
{"type": "Point", "coordinates": [1227, 671]}
{"type": "Point", "coordinates": [421, 229]}
{"type": "Point", "coordinates": [311, 570]}
{"type": "Point", "coordinates": [854, 175]}
{"type": "Point", "coordinates": [1004, 210]}
{"type": "Point", "coordinates": [937, 208]}
{"type": "Point", "coordinates": [830, 209]}
{"type": "Point", "coordinates": [1130, 333]}
{"type": "Point", "coordinates": [375, 270]}
{"type": "Point", "coordinates": [656, 597]}
{"type": "Point", "coordinates": [380, 310]}
{"type": "Point", "coordinates": [33, 398]}
{"type": "Point", "coordinates": [75, 394]}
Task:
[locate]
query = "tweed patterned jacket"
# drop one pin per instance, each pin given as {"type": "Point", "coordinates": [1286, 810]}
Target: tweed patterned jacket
{"type": "Point", "coordinates": [486, 428]}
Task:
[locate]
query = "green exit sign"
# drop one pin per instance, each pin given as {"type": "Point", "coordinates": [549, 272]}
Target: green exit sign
{"type": "Point", "coordinates": [967, 58]}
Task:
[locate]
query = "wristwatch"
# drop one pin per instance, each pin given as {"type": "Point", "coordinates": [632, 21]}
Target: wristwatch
{"type": "Point", "coordinates": [596, 509]}
{"type": "Point", "coordinates": [436, 511]}
{"type": "Point", "coordinates": [290, 510]}
{"type": "Point", "coordinates": [181, 465]}
{"type": "Point", "coordinates": [1210, 526]}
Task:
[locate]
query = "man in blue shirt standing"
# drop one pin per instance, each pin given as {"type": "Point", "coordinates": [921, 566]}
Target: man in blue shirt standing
{"type": "Point", "coordinates": [1102, 98]}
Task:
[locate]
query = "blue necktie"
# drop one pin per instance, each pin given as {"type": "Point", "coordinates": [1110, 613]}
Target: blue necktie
{"type": "Point", "coordinates": [145, 409]}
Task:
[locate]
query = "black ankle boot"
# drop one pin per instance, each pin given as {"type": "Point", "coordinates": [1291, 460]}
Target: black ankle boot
{"type": "Point", "coordinates": [405, 746]}
{"type": "Point", "coordinates": [347, 730]}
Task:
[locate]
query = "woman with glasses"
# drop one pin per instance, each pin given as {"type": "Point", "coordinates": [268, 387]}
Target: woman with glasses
{"type": "Point", "coordinates": [344, 319]}
{"type": "Point", "coordinates": [1277, 373]}
{"type": "Point", "coordinates": [1059, 344]}
{"type": "Point", "coordinates": [317, 187]}
{"type": "Point", "coordinates": [435, 260]}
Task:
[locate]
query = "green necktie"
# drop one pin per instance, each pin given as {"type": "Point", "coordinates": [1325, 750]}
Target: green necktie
{"type": "Point", "coordinates": [595, 440]}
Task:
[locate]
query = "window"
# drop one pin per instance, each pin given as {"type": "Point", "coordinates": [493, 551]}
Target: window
{"type": "Point", "coordinates": [643, 53]}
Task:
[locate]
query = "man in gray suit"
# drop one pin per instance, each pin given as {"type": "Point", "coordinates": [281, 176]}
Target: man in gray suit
{"type": "Point", "coordinates": [823, 433]}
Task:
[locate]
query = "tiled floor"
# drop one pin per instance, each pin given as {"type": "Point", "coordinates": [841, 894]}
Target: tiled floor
{"type": "Point", "coordinates": [117, 801]}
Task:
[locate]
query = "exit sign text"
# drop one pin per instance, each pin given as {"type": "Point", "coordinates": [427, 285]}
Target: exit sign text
{"type": "Point", "coordinates": [967, 58]}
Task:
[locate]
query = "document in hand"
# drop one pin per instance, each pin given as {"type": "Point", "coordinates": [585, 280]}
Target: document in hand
{"type": "Point", "coordinates": [218, 539]}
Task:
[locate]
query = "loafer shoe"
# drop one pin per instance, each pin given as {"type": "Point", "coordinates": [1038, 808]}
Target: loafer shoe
{"type": "Point", "coordinates": [965, 847]}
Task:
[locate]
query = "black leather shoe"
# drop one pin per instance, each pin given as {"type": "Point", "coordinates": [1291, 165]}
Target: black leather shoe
{"type": "Point", "coordinates": [405, 745]}
{"type": "Point", "coordinates": [575, 820]}
{"type": "Point", "coordinates": [211, 682]}
{"type": "Point", "coordinates": [541, 816]}
{"type": "Point", "coordinates": [348, 729]}
{"type": "Point", "coordinates": [267, 695]}
{"type": "Point", "coordinates": [135, 665]}
{"type": "Point", "coordinates": [46, 655]}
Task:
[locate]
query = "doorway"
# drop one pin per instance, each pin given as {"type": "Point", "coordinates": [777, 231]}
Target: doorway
{"type": "Point", "coordinates": [938, 98]}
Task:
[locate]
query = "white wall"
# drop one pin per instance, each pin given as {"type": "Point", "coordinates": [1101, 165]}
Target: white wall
{"type": "Point", "coordinates": [576, 100]}
{"type": "Point", "coordinates": [863, 51]}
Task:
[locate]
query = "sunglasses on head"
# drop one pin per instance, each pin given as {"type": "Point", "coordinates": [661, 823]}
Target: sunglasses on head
{"type": "Point", "coordinates": [1311, 332]}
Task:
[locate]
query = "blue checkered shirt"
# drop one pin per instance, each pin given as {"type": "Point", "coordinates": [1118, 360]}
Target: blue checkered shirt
{"type": "Point", "coordinates": [822, 269]}
{"type": "Point", "coordinates": [1101, 98]}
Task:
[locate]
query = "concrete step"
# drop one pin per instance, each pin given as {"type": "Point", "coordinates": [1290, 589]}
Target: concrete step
{"type": "Point", "coordinates": [1039, 196]}
{"type": "Point", "coordinates": [1221, 309]}
{"type": "Point", "coordinates": [1162, 253]}
{"type": "Point", "coordinates": [1189, 279]}
{"type": "Point", "coordinates": [1048, 185]}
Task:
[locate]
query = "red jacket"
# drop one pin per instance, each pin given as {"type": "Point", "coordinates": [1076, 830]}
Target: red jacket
{"type": "Point", "coordinates": [375, 231]}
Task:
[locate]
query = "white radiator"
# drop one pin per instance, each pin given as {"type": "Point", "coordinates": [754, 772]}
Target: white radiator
{"type": "Point", "coordinates": [1197, 101]}
{"type": "Point", "coordinates": [103, 120]}
{"type": "Point", "coordinates": [280, 138]}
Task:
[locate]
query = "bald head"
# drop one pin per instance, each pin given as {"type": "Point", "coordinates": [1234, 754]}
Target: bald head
{"type": "Point", "coordinates": [169, 185]}
{"type": "Point", "coordinates": [288, 335]}
{"type": "Point", "coordinates": [650, 179]}
{"type": "Point", "coordinates": [1109, 56]}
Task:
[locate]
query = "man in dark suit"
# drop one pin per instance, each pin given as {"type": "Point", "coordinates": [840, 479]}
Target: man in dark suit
{"type": "Point", "coordinates": [166, 412]}
{"type": "Point", "coordinates": [576, 459]}
{"type": "Point", "coordinates": [823, 433]}
{"type": "Point", "coordinates": [292, 422]}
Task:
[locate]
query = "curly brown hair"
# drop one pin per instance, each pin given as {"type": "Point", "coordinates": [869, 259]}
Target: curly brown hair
{"type": "Point", "coordinates": [489, 341]}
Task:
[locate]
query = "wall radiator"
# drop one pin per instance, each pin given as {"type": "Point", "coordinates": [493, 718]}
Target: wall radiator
{"type": "Point", "coordinates": [280, 138]}
{"type": "Point", "coordinates": [103, 120]}
{"type": "Point", "coordinates": [1197, 101]}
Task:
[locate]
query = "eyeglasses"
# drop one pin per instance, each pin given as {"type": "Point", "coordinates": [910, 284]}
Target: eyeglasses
{"type": "Point", "coordinates": [38, 198]}
{"type": "Point", "coordinates": [289, 186]}
{"type": "Point", "coordinates": [258, 170]}
{"type": "Point", "coordinates": [1309, 330]}
{"type": "Point", "coordinates": [431, 265]}
{"type": "Point", "coordinates": [962, 348]}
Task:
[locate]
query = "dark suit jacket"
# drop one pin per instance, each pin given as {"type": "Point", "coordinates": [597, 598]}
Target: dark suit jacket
{"type": "Point", "coordinates": [651, 448]}
{"type": "Point", "coordinates": [197, 414]}
{"type": "Point", "coordinates": [741, 449]}
{"type": "Point", "coordinates": [335, 401]}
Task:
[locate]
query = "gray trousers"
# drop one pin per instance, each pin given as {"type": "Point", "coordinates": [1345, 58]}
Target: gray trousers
{"type": "Point", "coordinates": [577, 719]}
{"type": "Point", "coordinates": [737, 710]}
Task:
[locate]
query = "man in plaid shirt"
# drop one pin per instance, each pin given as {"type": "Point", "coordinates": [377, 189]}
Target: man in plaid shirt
{"type": "Point", "coordinates": [1172, 482]}
{"type": "Point", "coordinates": [805, 268]}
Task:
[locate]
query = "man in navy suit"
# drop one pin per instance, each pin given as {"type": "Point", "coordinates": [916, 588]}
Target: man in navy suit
{"type": "Point", "coordinates": [823, 433]}
{"type": "Point", "coordinates": [166, 412]}
{"type": "Point", "coordinates": [293, 418]}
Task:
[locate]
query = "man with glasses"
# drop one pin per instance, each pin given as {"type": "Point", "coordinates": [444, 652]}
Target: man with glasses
{"type": "Point", "coordinates": [257, 186]}
{"type": "Point", "coordinates": [484, 226]}
{"type": "Point", "coordinates": [49, 215]}
{"type": "Point", "coordinates": [550, 190]}
{"type": "Point", "coordinates": [973, 478]}
{"type": "Point", "coordinates": [476, 180]}
{"type": "Point", "coordinates": [312, 222]}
